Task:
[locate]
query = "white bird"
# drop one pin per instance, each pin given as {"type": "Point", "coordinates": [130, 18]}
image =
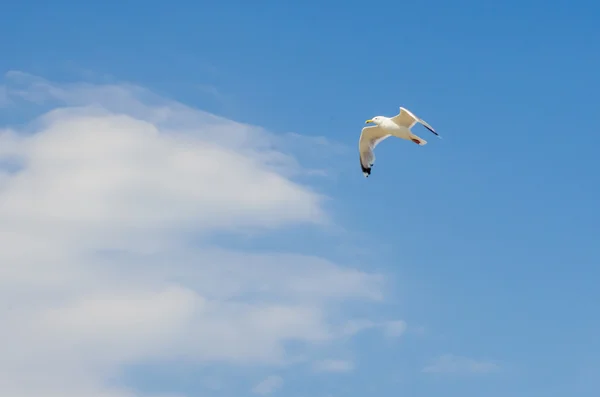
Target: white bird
{"type": "Point", "coordinates": [398, 126]}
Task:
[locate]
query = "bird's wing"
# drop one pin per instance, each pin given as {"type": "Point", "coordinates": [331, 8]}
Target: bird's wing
{"type": "Point", "coordinates": [370, 137]}
{"type": "Point", "coordinates": [407, 119]}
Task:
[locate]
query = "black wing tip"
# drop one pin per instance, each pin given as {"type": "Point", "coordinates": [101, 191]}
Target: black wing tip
{"type": "Point", "coordinates": [366, 171]}
{"type": "Point", "coordinates": [432, 130]}
{"type": "Point", "coordinates": [427, 126]}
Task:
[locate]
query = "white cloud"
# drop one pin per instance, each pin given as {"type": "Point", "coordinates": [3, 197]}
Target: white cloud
{"type": "Point", "coordinates": [333, 366]}
{"type": "Point", "coordinates": [268, 386]}
{"type": "Point", "coordinates": [105, 214]}
{"type": "Point", "coordinates": [449, 363]}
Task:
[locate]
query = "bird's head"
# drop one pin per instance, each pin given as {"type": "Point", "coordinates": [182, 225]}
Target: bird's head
{"type": "Point", "coordinates": [375, 120]}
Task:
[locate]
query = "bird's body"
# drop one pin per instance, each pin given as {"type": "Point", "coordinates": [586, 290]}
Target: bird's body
{"type": "Point", "coordinates": [398, 126]}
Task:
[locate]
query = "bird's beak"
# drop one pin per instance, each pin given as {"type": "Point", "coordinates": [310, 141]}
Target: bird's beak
{"type": "Point", "coordinates": [368, 121]}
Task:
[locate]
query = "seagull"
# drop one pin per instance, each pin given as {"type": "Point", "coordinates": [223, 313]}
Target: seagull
{"type": "Point", "coordinates": [398, 126]}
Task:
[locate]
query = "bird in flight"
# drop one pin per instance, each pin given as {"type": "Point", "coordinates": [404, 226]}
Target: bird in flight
{"type": "Point", "coordinates": [398, 126]}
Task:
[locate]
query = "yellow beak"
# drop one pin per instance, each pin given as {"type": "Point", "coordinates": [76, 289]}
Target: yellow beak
{"type": "Point", "coordinates": [368, 121]}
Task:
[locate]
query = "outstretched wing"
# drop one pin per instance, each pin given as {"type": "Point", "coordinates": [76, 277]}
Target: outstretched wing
{"type": "Point", "coordinates": [370, 137]}
{"type": "Point", "coordinates": [407, 119]}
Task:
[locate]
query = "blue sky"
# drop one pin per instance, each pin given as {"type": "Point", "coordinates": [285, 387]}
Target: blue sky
{"type": "Point", "coordinates": [488, 238]}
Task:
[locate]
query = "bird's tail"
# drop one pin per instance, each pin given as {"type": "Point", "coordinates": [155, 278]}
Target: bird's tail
{"type": "Point", "coordinates": [418, 140]}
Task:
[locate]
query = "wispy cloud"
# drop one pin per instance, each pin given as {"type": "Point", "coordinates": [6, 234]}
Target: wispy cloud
{"type": "Point", "coordinates": [212, 91]}
{"type": "Point", "coordinates": [106, 255]}
{"type": "Point", "coordinates": [394, 329]}
{"type": "Point", "coordinates": [449, 363]}
{"type": "Point", "coordinates": [391, 329]}
{"type": "Point", "coordinates": [333, 366]}
{"type": "Point", "coordinates": [268, 385]}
